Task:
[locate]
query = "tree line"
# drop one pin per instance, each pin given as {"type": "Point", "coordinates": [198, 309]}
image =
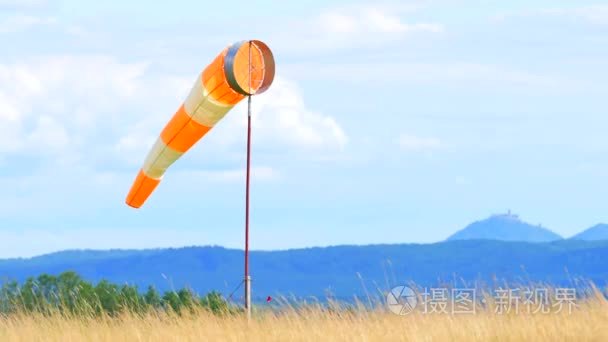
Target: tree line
{"type": "Point", "coordinates": [69, 293]}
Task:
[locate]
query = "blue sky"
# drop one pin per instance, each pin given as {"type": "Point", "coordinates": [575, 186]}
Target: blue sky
{"type": "Point", "coordinates": [388, 122]}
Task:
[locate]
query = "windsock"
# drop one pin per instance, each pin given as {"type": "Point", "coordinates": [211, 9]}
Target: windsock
{"type": "Point", "coordinates": [242, 69]}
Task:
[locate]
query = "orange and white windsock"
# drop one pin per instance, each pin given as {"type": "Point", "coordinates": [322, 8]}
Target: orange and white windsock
{"type": "Point", "coordinates": [242, 69]}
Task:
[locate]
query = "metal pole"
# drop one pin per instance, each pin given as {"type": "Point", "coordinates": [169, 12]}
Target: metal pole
{"type": "Point", "coordinates": [247, 277]}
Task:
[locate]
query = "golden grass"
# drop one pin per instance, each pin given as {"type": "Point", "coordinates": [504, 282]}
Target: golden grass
{"type": "Point", "coordinates": [588, 322]}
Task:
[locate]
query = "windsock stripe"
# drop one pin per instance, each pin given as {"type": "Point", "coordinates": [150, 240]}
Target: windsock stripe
{"type": "Point", "coordinates": [182, 132]}
{"type": "Point", "coordinates": [203, 107]}
{"type": "Point", "coordinates": [214, 78]}
{"type": "Point", "coordinates": [195, 97]}
{"type": "Point", "coordinates": [159, 159]}
{"type": "Point", "coordinates": [226, 96]}
{"type": "Point", "coordinates": [155, 165]}
{"type": "Point", "coordinates": [209, 113]}
{"type": "Point", "coordinates": [141, 189]}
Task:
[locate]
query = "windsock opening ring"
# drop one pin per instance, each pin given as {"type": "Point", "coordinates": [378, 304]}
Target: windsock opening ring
{"type": "Point", "coordinates": [249, 67]}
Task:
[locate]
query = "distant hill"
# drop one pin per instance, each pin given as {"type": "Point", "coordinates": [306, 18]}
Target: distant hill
{"type": "Point", "coordinates": [330, 270]}
{"type": "Point", "coordinates": [595, 233]}
{"type": "Point", "coordinates": [505, 227]}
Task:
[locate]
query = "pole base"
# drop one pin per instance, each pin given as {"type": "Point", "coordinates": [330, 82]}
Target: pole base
{"type": "Point", "coordinates": [248, 296]}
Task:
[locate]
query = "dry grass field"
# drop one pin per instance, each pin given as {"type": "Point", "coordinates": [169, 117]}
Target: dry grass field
{"type": "Point", "coordinates": [587, 322]}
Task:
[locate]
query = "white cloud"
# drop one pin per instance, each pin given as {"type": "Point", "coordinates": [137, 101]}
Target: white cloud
{"type": "Point", "coordinates": [19, 23]}
{"type": "Point", "coordinates": [597, 14]}
{"type": "Point", "coordinates": [366, 20]}
{"type": "Point", "coordinates": [413, 143]}
{"type": "Point", "coordinates": [281, 119]}
{"type": "Point", "coordinates": [362, 27]}
{"type": "Point", "coordinates": [8, 111]}
{"type": "Point", "coordinates": [594, 14]}
{"type": "Point", "coordinates": [98, 111]}
{"type": "Point", "coordinates": [338, 23]}
{"type": "Point", "coordinates": [21, 4]}
{"type": "Point", "coordinates": [48, 103]}
{"type": "Point", "coordinates": [48, 134]}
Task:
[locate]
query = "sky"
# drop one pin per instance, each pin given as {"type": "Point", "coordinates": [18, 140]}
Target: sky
{"type": "Point", "coordinates": [388, 122]}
